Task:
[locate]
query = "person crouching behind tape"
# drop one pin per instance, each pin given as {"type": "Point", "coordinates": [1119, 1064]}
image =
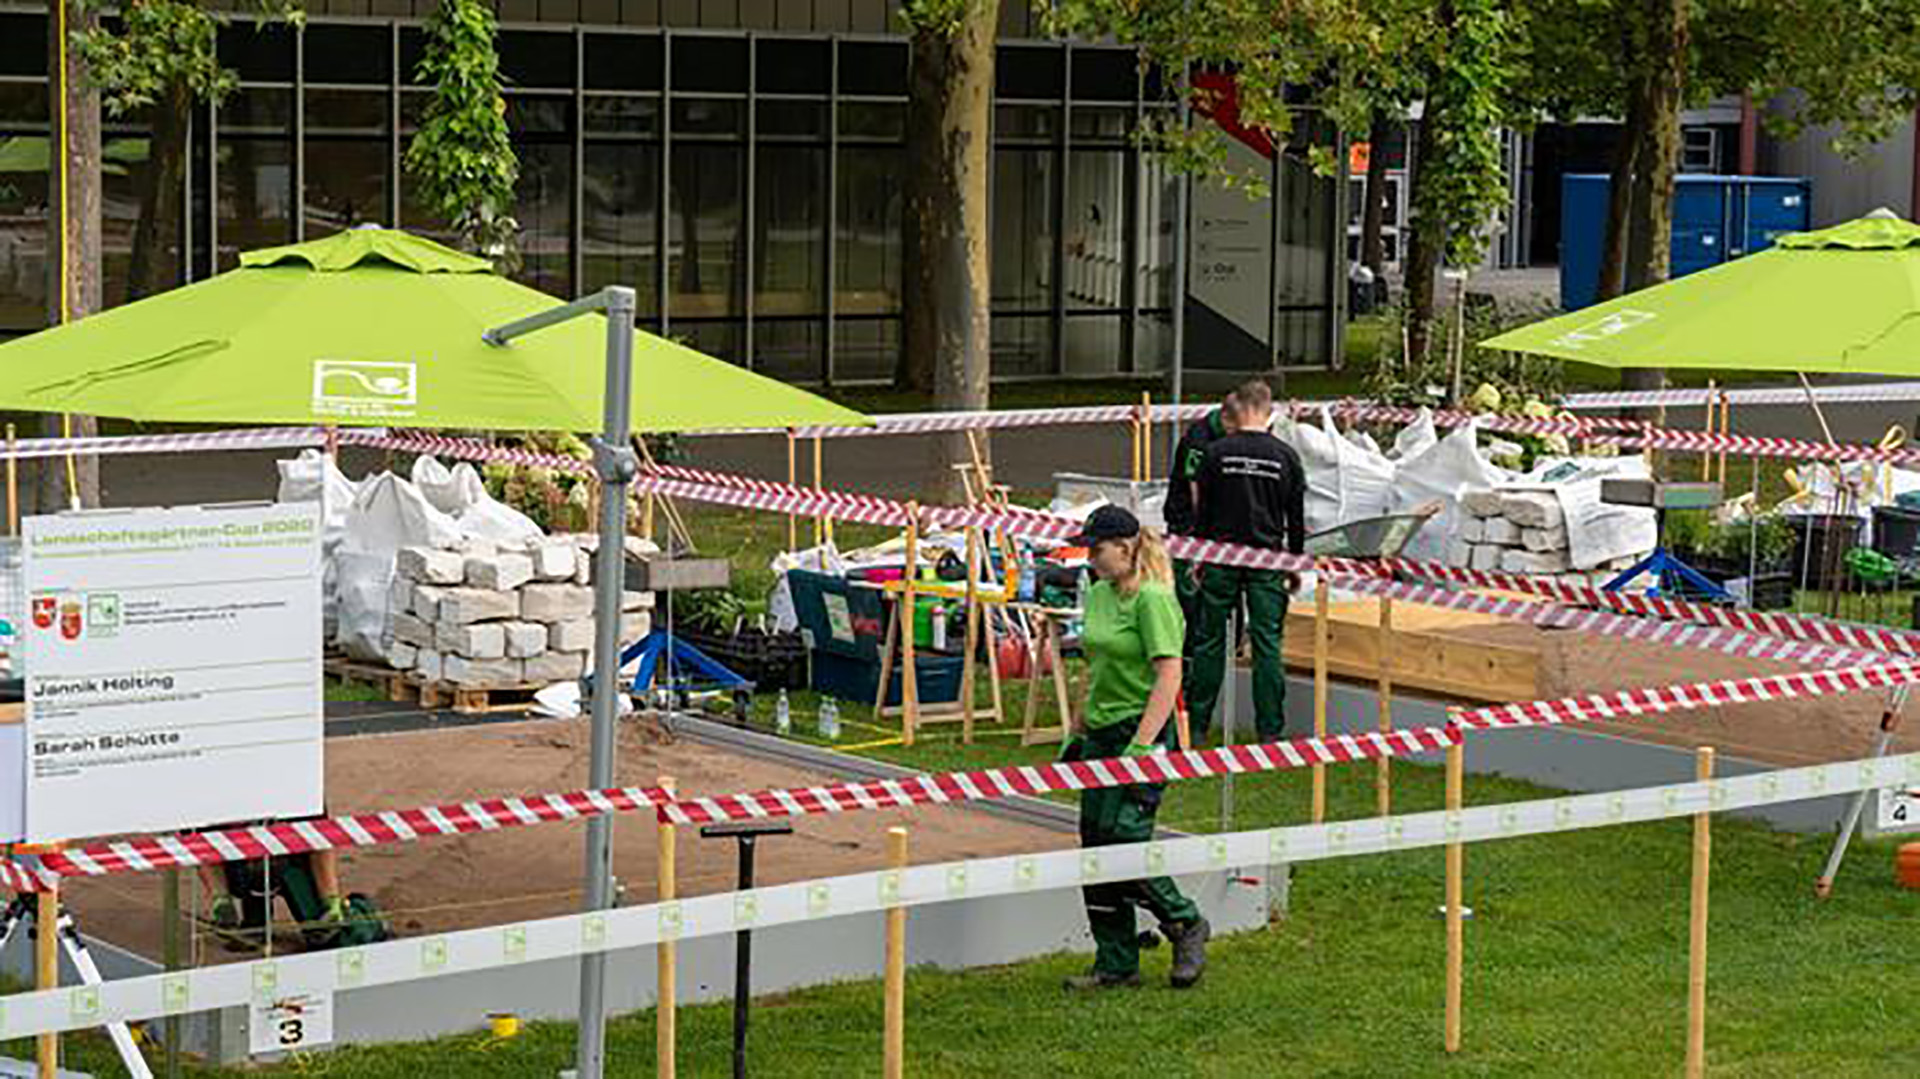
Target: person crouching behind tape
{"type": "Point", "coordinates": [1133, 641]}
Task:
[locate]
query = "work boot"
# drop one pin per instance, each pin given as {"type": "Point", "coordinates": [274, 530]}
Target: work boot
{"type": "Point", "coordinates": [224, 919]}
{"type": "Point", "coordinates": [1093, 981]}
{"type": "Point", "coordinates": [1189, 942]}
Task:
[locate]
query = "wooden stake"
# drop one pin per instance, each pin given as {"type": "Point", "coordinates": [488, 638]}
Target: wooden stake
{"type": "Point", "coordinates": [909, 614]}
{"type": "Point", "coordinates": [666, 1000]}
{"type": "Point", "coordinates": [1706, 459]}
{"type": "Point", "coordinates": [1134, 428]}
{"type": "Point", "coordinates": [1320, 645]}
{"type": "Point", "coordinates": [1456, 858]}
{"type": "Point", "coordinates": [1146, 436]}
{"type": "Point", "coordinates": [793, 480]}
{"type": "Point", "coordinates": [1383, 766]}
{"type": "Point", "coordinates": [46, 972]}
{"type": "Point", "coordinates": [1697, 938]}
{"type": "Point", "coordinates": [819, 520]}
{"type": "Point", "coordinates": [1727, 429]}
{"type": "Point", "coordinates": [13, 483]}
{"type": "Point", "coordinates": [894, 1058]}
{"type": "Point", "coordinates": [972, 638]}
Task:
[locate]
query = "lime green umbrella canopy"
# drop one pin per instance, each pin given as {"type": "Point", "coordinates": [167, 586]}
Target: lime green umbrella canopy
{"type": "Point", "coordinates": [375, 327]}
{"type": "Point", "coordinates": [1843, 299]}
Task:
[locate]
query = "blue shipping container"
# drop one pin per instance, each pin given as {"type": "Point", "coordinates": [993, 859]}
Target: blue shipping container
{"type": "Point", "coordinates": [1715, 219]}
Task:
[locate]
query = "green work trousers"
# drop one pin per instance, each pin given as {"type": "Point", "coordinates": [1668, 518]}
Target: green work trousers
{"type": "Point", "coordinates": [1111, 815]}
{"type": "Point", "coordinates": [1222, 588]}
{"type": "Point", "coordinates": [1186, 588]}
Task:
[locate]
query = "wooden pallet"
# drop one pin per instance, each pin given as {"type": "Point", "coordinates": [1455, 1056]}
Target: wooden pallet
{"type": "Point", "coordinates": [491, 700]}
{"type": "Point", "coordinates": [397, 685]}
{"type": "Point", "coordinates": [406, 687]}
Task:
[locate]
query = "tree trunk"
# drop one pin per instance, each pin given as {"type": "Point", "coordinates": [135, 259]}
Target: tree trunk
{"type": "Point", "coordinates": [1626, 157]}
{"type": "Point", "coordinates": [1650, 254]}
{"type": "Point", "coordinates": [1650, 260]}
{"type": "Point", "coordinates": [1373, 217]}
{"type": "Point", "coordinates": [73, 266]}
{"type": "Point", "coordinates": [946, 306]}
{"type": "Point", "coordinates": [155, 263]}
{"type": "Point", "coordinates": [1425, 245]}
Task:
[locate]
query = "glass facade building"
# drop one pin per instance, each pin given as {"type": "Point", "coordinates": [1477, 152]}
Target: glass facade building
{"type": "Point", "coordinates": [740, 164]}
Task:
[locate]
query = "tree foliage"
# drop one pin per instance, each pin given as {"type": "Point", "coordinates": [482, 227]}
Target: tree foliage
{"type": "Point", "coordinates": [462, 158]}
{"type": "Point", "coordinates": [156, 45]}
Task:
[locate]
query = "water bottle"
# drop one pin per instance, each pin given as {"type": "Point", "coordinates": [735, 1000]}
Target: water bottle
{"type": "Point", "coordinates": [1027, 585]}
{"type": "Point", "coordinates": [939, 627]}
{"type": "Point", "coordinates": [829, 719]}
{"type": "Point", "coordinates": [783, 714]}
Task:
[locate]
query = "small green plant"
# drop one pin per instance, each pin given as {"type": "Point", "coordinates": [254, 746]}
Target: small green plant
{"type": "Point", "coordinates": [718, 611]}
{"type": "Point", "coordinates": [1688, 532]}
{"type": "Point", "coordinates": [1762, 542]}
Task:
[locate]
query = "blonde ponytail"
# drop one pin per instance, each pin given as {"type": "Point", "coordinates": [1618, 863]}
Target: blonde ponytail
{"type": "Point", "coordinates": [1150, 563]}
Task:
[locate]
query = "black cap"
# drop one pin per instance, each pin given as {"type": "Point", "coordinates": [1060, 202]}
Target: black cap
{"type": "Point", "coordinates": [1109, 522]}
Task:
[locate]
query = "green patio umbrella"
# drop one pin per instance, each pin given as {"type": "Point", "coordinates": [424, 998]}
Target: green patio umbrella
{"type": "Point", "coordinates": [1842, 299]}
{"type": "Point", "coordinates": [375, 327]}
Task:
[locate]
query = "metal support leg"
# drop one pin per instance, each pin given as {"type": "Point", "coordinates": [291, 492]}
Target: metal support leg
{"type": "Point", "coordinates": [1889, 728]}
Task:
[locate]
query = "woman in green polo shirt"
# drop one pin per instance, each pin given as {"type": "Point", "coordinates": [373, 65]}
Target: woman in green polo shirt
{"type": "Point", "coordinates": [1133, 638]}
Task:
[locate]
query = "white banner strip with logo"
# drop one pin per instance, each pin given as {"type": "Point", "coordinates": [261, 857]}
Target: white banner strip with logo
{"type": "Point", "coordinates": [495, 947]}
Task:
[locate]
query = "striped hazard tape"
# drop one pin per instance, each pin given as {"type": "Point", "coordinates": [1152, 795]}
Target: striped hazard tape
{"type": "Point", "coordinates": [377, 829]}
{"type": "Point", "coordinates": [1060, 776]}
{"type": "Point", "coordinates": [1661, 699]}
{"type": "Point", "coordinates": [277, 840]}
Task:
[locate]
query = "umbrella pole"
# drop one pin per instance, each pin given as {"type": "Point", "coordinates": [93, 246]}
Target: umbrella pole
{"type": "Point", "coordinates": [616, 465]}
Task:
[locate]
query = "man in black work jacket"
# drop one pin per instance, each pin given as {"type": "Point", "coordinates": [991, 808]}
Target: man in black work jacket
{"type": "Point", "coordinates": [1179, 507]}
{"type": "Point", "coordinates": [1251, 491]}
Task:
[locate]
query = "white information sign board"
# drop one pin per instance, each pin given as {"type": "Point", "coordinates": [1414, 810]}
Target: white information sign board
{"type": "Point", "coordinates": [282, 1024]}
{"type": "Point", "coordinates": [173, 666]}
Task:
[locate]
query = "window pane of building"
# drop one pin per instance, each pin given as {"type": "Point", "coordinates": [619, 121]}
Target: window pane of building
{"type": "Point", "coordinates": [623, 62]}
{"type": "Point", "coordinates": [709, 64]}
{"type": "Point", "coordinates": [349, 54]}
{"type": "Point", "coordinates": [867, 246]}
{"type": "Point", "coordinates": [1160, 197]}
{"type": "Point", "coordinates": [790, 217]}
{"type": "Point", "coordinates": [792, 67]}
{"type": "Point", "coordinates": [865, 350]}
{"type": "Point", "coordinates": [255, 166]}
{"type": "Point", "coordinates": [1095, 272]}
{"type": "Point", "coordinates": [349, 166]}
{"type": "Point", "coordinates": [126, 180]}
{"type": "Point", "coordinates": [873, 68]}
{"type": "Point", "coordinates": [788, 349]}
{"type": "Point", "coordinates": [604, 114]}
{"type": "Point", "coordinates": [1095, 344]}
{"type": "Point", "coordinates": [704, 231]}
{"type": "Point", "coordinates": [620, 200]}
{"type": "Point", "coordinates": [23, 244]}
{"type": "Point", "coordinates": [1023, 222]}
{"type": "Point", "coordinates": [721, 340]}
{"type": "Point", "coordinates": [541, 206]}
{"type": "Point", "coordinates": [1022, 345]}
{"type": "Point", "coordinates": [530, 58]}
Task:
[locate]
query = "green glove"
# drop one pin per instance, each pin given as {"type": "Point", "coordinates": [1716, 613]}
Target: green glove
{"type": "Point", "coordinates": [1135, 749]}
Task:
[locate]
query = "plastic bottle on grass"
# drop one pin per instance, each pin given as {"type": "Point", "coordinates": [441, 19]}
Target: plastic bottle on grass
{"type": "Point", "coordinates": [829, 721]}
{"type": "Point", "coordinates": [783, 714]}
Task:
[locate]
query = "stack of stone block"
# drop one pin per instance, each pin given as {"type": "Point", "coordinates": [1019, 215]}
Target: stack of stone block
{"type": "Point", "coordinates": [1522, 532]}
{"type": "Point", "coordinates": [487, 616]}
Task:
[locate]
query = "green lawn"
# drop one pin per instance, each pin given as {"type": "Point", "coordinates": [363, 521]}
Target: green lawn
{"type": "Point", "coordinates": [1576, 966]}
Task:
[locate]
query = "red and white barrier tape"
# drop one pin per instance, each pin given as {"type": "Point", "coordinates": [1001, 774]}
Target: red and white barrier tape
{"type": "Point", "coordinates": [1880, 639]}
{"type": "Point", "coordinates": [375, 829]}
{"type": "Point", "coordinates": [379, 829]}
{"type": "Point", "coordinates": [257, 438]}
{"type": "Point", "coordinates": [278, 840]}
{"type": "Point", "coordinates": [1872, 392]}
{"type": "Point", "coordinates": [723, 489]}
{"type": "Point", "coordinates": [1724, 640]}
{"type": "Point", "coordinates": [1680, 698]}
{"type": "Point", "coordinates": [1070, 776]}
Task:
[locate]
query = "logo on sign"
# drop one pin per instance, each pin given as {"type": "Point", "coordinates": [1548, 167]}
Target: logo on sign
{"type": "Point", "coordinates": [45, 610]}
{"type": "Point", "coordinates": [1600, 330]}
{"type": "Point", "coordinates": [365, 389]}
